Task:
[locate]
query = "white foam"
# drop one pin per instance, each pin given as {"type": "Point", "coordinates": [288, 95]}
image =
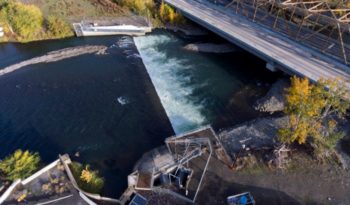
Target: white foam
{"type": "Point", "coordinates": [124, 42]}
{"type": "Point", "coordinates": [123, 100]}
{"type": "Point", "coordinates": [173, 89]}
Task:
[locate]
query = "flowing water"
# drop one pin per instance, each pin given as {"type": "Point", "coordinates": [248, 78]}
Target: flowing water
{"type": "Point", "coordinates": [106, 107]}
{"type": "Point", "coordinates": [196, 89]}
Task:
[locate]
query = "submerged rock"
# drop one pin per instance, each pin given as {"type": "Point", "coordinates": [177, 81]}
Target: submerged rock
{"type": "Point", "coordinates": [210, 48]}
{"type": "Point", "coordinates": [187, 29]}
{"type": "Point", "coordinates": [257, 134]}
{"type": "Point", "coordinates": [57, 55]}
{"type": "Point", "coordinates": [274, 100]}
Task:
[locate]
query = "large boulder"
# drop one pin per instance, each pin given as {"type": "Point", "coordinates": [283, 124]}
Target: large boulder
{"type": "Point", "coordinates": [274, 100]}
{"type": "Point", "coordinates": [257, 134]}
{"type": "Point", "coordinates": [210, 48]}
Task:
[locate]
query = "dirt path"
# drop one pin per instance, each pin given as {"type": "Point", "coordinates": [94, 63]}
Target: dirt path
{"type": "Point", "coordinates": [306, 182]}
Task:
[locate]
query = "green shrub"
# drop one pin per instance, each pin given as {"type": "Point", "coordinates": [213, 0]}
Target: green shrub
{"type": "Point", "coordinates": [169, 15]}
{"type": "Point", "coordinates": [87, 179]}
{"type": "Point", "coordinates": [58, 28]}
{"type": "Point", "coordinates": [26, 20]}
{"type": "Point", "coordinates": [138, 6]}
{"type": "Point", "coordinates": [20, 165]}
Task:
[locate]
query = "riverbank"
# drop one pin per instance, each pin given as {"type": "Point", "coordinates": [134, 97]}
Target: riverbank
{"type": "Point", "coordinates": [251, 146]}
{"type": "Point", "coordinates": [106, 106]}
{"type": "Point", "coordinates": [52, 19]}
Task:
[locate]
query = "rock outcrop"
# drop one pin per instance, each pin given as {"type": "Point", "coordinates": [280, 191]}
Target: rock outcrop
{"type": "Point", "coordinates": [274, 100]}
{"type": "Point", "coordinates": [210, 48]}
{"type": "Point", "coordinates": [257, 134]}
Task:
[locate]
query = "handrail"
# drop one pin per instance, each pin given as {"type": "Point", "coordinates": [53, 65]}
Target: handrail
{"type": "Point", "coordinates": [75, 184]}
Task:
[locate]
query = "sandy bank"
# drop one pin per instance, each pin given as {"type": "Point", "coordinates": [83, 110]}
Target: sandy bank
{"type": "Point", "coordinates": [56, 56]}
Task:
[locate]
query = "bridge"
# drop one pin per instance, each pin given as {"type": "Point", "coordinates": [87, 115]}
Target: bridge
{"type": "Point", "coordinates": [282, 34]}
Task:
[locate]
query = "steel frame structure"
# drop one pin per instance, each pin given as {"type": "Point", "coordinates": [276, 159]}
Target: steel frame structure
{"type": "Point", "coordinates": [320, 24]}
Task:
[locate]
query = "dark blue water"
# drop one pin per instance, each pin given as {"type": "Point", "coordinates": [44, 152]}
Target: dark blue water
{"type": "Point", "coordinates": [72, 106]}
{"type": "Point", "coordinates": [106, 107]}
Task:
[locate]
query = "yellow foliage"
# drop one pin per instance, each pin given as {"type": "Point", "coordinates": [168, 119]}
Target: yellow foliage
{"type": "Point", "coordinates": [22, 197]}
{"type": "Point", "coordinates": [26, 20]}
{"type": "Point", "coordinates": [86, 175]}
{"type": "Point", "coordinates": [20, 165]}
{"type": "Point", "coordinates": [168, 14]}
{"type": "Point", "coordinates": [162, 10]}
{"type": "Point", "coordinates": [58, 28]}
{"type": "Point", "coordinates": [308, 105]}
{"type": "Point", "coordinates": [139, 6]}
{"type": "Point", "coordinates": [87, 179]}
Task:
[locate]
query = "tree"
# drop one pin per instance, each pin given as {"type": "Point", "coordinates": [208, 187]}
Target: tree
{"type": "Point", "coordinates": [162, 12]}
{"type": "Point", "coordinates": [20, 165]}
{"type": "Point", "coordinates": [86, 175]}
{"type": "Point", "coordinates": [26, 20]}
{"type": "Point", "coordinates": [87, 179]}
{"type": "Point", "coordinates": [169, 14]}
{"type": "Point", "coordinates": [58, 28]}
{"type": "Point", "coordinates": [313, 110]}
{"type": "Point", "coordinates": [139, 6]}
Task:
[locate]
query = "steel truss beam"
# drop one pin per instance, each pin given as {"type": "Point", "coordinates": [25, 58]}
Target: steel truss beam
{"type": "Point", "coordinates": [307, 21]}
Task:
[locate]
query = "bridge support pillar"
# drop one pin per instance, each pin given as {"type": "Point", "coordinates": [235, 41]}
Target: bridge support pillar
{"type": "Point", "coordinates": [271, 66]}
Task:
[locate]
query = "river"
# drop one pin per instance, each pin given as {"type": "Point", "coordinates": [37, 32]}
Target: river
{"type": "Point", "coordinates": [106, 107]}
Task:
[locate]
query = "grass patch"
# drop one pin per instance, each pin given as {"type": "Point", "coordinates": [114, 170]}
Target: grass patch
{"type": "Point", "coordinates": [251, 164]}
{"type": "Point", "coordinates": [76, 10]}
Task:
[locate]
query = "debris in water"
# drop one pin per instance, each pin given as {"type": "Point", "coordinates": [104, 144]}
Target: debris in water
{"type": "Point", "coordinates": [77, 154]}
{"type": "Point", "coordinates": [123, 100]}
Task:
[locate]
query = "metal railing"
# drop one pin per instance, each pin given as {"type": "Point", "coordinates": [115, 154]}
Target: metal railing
{"type": "Point", "coordinates": [315, 23]}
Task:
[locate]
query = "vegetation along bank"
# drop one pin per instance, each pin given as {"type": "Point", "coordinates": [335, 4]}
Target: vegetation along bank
{"type": "Point", "coordinates": [31, 20]}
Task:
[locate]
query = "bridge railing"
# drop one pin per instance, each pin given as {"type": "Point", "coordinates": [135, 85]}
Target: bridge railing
{"type": "Point", "coordinates": [316, 24]}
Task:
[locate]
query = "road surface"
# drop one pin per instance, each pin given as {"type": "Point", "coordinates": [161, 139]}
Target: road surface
{"type": "Point", "coordinates": [290, 56]}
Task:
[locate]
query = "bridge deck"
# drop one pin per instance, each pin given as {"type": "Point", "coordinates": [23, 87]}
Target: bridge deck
{"type": "Point", "coordinates": [275, 48]}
